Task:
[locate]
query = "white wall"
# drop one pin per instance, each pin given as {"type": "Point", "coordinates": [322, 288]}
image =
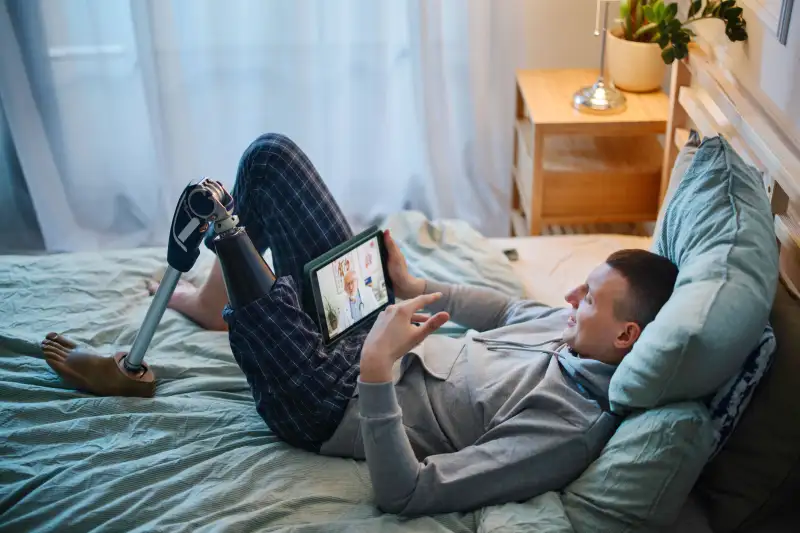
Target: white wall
{"type": "Point", "coordinates": [766, 68]}
{"type": "Point", "coordinates": [560, 34]}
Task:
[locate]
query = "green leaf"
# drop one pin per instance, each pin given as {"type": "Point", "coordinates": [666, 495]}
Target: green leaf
{"type": "Point", "coordinates": [644, 29]}
{"type": "Point", "coordinates": [674, 25]}
{"type": "Point", "coordinates": [660, 9]}
{"type": "Point", "coordinates": [639, 17]}
{"type": "Point", "coordinates": [624, 9]}
{"type": "Point", "coordinates": [733, 13]}
{"type": "Point", "coordinates": [668, 55]}
{"type": "Point", "coordinates": [671, 11]}
{"type": "Point", "coordinates": [696, 5]}
{"type": "Point", "coordinates": [663, 40]}
{"type": "Point", "coordinates": [627, 28]}
{"type": "Point", "coordinates": [649, 13]}
{"type": "Point", "coordinates": [683, 37]}
{"type": "Point", "coordinates": [681, 51]}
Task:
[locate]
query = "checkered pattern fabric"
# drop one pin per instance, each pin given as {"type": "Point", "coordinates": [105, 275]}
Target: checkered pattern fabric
{"type": "Point", "coordinates": [300, 387]}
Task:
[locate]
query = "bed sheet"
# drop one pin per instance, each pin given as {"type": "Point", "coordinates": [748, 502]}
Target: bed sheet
{"type": "Point", "coordinates": [197, 457]}
{"type": "Point", "coordinates": [549, 266]}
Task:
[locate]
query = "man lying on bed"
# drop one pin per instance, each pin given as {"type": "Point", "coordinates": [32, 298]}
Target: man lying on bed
{"type": "Point", "coordinates": [515, 411]}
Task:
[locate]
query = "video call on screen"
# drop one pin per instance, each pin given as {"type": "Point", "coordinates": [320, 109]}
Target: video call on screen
{"type": "Point", "coordinates": [352, 286]}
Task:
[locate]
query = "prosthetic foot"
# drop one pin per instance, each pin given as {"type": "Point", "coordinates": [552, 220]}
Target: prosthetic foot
{"type": "Point", "coordinates": [247, 278]}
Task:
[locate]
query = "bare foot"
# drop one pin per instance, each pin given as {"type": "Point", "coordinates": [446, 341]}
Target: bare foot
{"type": "Point", "coordinates": [93, 373]}
{"type": "Point", "coordinates": [187, 300]}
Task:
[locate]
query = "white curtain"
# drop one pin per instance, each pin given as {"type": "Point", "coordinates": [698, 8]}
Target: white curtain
{"type": "Point", "coordinates": [114, 105]}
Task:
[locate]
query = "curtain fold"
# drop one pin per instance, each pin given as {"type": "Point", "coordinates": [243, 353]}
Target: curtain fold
{"type": "Point", "coordinates": [402, 104]}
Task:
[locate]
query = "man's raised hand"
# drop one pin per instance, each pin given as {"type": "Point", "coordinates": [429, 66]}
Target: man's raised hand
{"type": "Point", "coordinates": [405, 285]}
{"type": "Point", "coordinates": [394, 333]}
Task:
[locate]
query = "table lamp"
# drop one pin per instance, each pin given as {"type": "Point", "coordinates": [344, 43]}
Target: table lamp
{"type": "Point", "coordinates": [600, 97]}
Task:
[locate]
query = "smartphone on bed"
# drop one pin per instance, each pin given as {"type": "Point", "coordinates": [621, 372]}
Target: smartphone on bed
{"type": "Point", "coordinates": [348, 285]}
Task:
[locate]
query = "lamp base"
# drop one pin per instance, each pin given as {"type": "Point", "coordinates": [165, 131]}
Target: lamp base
{"type": "Point", "coordinates": [599, 99]}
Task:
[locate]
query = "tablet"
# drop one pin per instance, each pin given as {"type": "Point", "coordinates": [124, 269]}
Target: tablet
{"type": "Point", "coordinates": [348, 285]}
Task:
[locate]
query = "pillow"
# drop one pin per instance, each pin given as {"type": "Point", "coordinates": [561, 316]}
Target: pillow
{"type": "Point", "coordinates": [682, 162]}
{"type": "Point", "coordinates": [758, 470]}
{"type": "Point", "coordinates": [645, 472]}
{"type": "Point", "coordinates": [718, 230]}
{"type": "Point", "coordinates": [732, 399]}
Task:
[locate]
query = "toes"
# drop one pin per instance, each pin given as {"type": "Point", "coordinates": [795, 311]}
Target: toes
{"type": "Point", "coordinates": [61, 340]}
{"type": "Point", "coordinates": [52, 353]}
{"type": "Point", "coordinates": [66, 342]}
{"type": "Point", "coordinates": [152, 286]}
{"type": "Point", "coordinates": [53, 345]}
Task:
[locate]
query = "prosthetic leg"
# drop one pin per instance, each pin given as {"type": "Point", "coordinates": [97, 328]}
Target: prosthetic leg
{"type": "Point", "coordinates": [247, 278]}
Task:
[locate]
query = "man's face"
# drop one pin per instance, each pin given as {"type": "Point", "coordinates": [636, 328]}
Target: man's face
{"type": "Point", "coordinates": [593, 329]}
{"type": "Point", "coordinates": [350, 284]}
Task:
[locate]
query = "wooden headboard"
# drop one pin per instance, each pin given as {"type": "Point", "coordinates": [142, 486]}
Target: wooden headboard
{"type": "Point", "coordinates": [707, 98]}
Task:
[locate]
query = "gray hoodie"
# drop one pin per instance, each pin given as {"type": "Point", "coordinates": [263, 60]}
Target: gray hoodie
{"type": "Point", "coordinates": [500, 415]}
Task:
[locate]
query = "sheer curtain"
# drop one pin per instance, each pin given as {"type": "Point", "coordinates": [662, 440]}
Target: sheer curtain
{"type": "Point", "coordinates": [114, 105]}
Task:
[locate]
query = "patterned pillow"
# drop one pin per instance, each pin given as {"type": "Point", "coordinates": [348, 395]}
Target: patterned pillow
{"type": "Point", "coordinates": [728, 404]}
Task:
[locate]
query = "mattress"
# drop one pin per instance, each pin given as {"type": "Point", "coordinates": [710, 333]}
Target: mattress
{"type": "Point", "coordinates": [197, 457]}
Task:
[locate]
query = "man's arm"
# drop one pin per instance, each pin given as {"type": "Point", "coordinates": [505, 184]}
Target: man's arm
{"type": "Point", "coordinates": [472, 307]}
{"type": "Point", "coordinates": [538, 454]}
{"type": "Point", "coordinates": [481, 308]}
{"type": "Point", "coordinates": [517, 460]}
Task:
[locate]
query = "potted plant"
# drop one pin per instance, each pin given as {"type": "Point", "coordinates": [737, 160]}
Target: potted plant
{"type": "Point", "coordinates": [651, 35]}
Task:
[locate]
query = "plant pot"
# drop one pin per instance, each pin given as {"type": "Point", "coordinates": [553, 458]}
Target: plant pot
{"type": "Point", "coordinates": [632, 66]}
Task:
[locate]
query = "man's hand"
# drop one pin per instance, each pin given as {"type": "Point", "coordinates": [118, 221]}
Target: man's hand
{"type": "Point", "coordinates": [394, 334]}
{"type": "Point", "coordinates": [405, 285]}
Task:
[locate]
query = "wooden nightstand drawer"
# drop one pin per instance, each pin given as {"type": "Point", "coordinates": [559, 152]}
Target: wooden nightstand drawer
{"type": "Point", "coordinates": [600, 179]}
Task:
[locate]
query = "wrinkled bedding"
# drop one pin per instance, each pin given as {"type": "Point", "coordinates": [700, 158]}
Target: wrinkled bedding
{"type": "Point", "coordinates": [197, 457]}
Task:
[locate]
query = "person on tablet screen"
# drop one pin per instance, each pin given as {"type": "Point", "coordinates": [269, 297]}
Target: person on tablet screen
{"type": "Point", "coordinates": [445, 424]}
{"type": "Point", "coordinates": [358, 303]}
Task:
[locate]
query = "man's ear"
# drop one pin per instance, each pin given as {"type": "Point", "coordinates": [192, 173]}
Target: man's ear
{"type": "Point", "coordinates": [629, 335]}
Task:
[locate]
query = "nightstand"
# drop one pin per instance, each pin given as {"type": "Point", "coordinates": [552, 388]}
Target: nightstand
{"type": "Point", "coordinates": [573, 168]}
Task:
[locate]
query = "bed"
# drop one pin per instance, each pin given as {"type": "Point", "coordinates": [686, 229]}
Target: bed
{"type": "Point", "coordinates": [197, 457]}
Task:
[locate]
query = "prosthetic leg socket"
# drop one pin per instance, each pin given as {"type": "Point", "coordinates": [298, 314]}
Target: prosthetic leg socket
{"type": "Point", "coordinates": [247, 276]}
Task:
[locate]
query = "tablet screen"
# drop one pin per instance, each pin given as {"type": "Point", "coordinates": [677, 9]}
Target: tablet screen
{"type": "Point", "coordinates": [351, 287]}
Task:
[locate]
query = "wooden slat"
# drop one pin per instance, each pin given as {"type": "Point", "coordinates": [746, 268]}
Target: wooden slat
{"type": "Point", "coordinates": [573, 220]}
{"type": "Point", "coordinates": [716, 104]}
{"type": "Point", "coordinates": [524, 195]}
{"type": "Point", "coordinates": [709, 122]}
{"type": "Point", "coordinates": [751, 123]}
{"type": "Point", "coordinates": [587, 229]}
{"type": "Point", "coordinates": [787, 230]}
{"type": "Point", "coordinates": [702, 119]}
{"type": "Point", "coordinates": [679, 77]}
{"type": "Point", "coordinates": [537, 205]}
{"type": "Point", "coordinates": [680, 138]}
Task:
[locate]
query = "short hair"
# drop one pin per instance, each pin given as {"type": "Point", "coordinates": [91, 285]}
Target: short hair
{"type": "Point", "coordinates": [651, 280]}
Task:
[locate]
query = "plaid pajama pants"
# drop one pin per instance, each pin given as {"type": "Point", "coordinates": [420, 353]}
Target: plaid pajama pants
{"type": "Point", "coordinates": [300, 387]}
